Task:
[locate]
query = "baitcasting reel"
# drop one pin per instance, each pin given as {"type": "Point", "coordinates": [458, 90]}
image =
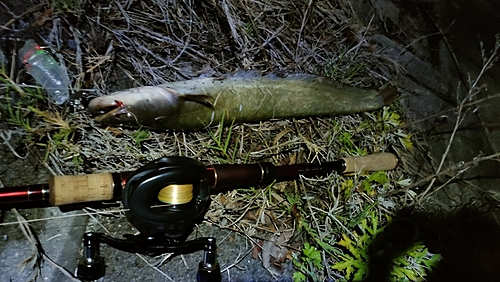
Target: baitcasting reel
{"type": "Point", "coordinates": [164, 199]}
{"type": "Point", "coordinates": [167, 196]}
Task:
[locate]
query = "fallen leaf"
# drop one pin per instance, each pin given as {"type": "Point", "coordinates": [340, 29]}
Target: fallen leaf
{"type": "Point", "coordinates": [251, 215]}
{"type": "Point", "coordinates": [41, 18]}
{"type": "Point", "coordinates": [274, 252]}
{"type": "Point", "coordinates": [257, 249]}
{"type": "Point", "coordinates": [296, 212]}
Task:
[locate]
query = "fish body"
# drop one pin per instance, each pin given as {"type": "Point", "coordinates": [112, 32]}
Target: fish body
{"type": "Point", "coordinates": [242, 97]}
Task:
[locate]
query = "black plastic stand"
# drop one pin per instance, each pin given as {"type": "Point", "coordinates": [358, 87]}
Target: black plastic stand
{"type": "Point", "coordinates": [92, 266]}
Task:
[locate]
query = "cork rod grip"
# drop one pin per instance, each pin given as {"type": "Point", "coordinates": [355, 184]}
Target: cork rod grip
{"type": "Point", "coordinates": [375, 162]}
{"type": "Point", "coordinates": [80, 188]}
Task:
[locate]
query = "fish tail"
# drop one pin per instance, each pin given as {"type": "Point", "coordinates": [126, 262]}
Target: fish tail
{"type": "Point", "coordinates": [389, 94]}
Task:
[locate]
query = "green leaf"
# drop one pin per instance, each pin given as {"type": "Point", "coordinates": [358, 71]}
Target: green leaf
{"type": "Point", "coordinates": [312, 254]}
{"type": "Point", "coordinates": [404, 182]}
{"type": "Point", "coordinates": [379, 177]}
{"type": "Point", "coordinates": [346, 242]}
{"type": "Point", "coordinates": [396, 271]}
{"type": "Point", "coordinates": [347, 187]}
{"type": "Point", "coordinates": [360, 274]}
{"type": "Point", "coordinates": [409, 266]}
{"type": "Point", "coordinates": [299, 277]}
{"type": "Point", "coordinates": [433, 261]}
{"type": "Point", "coordinates": [361, 216]}
{"type": "Point", "coordinates": [343, 265]}
{"type": "Point", "coordinates": [409, 273]}
{"type": "Point", "coordinates": [406, 141]}
{"type": "Point", "coordinates": [367, 186]}
{"type": "Point", "coordinates": [324, 245]}
{"type": "Point", "coordinates": [139, 136]}
{"type": "Point", "coordinates": [390, 118]}
{"type": "Point", "coordinates": [402, 261]}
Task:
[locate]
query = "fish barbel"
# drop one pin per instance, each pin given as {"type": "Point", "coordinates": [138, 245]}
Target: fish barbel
{"type": "Point", "coordinates": [242, 97]}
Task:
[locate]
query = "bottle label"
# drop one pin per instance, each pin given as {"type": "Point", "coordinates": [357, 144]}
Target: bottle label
{"type": "Point", "coordinates": [31, 52]}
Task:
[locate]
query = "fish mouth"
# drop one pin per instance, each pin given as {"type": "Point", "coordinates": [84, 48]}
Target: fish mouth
{"type": "Point", "coordinates": [104, 111]}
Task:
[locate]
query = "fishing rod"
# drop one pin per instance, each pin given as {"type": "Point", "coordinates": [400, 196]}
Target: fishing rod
{"type": "Point", "coordinates": [75, 189]}
{"type": "Point", "coordinates": [165, 198]}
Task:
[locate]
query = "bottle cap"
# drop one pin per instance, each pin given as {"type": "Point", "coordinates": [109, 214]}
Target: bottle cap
{"type": "Point", "coordinates": [27, 50]}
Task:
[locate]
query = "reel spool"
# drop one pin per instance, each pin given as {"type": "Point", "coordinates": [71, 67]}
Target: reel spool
{"type": "Point", "coordinates": [167, 196]}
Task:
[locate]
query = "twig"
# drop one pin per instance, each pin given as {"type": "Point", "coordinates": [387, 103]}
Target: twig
{"type": "Point", "coordinates": [155, 268]}
{"type": "Point", "coordinates": [465, 106]}
{"type": "Point", "coordinates": [37, 247]}
{"type": "Point", "coordinates": [487, 64]}
{"type": "Point", "coordinates": [13, 84]}
{"type": "Point", "coordinates": [6, 136]}
{"type": "Point", "coordinates": [232, 25]}
{"type": "Point", "coordinates": [15, 18]}
{"type": "Point", "coordinates": [60, 217]}
{"type": "Point", "coordinates": [444, 172]}
{"type": "Point", "coordinates": [299, 36]}
{"type": "Point", "coordinates": [124, 13]}
{"type": "Point", "coordinates": [91, 215]}
{"type": "Point", "coordinates": [63, 270]}
{"type": "Point", "coordinates": [236, 261]}
{"type": "Point", "coordinates": [458, 122]}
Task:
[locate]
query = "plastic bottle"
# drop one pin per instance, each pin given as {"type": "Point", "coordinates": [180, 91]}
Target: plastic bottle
{"type": "Point", "coordinates": [45, 70]}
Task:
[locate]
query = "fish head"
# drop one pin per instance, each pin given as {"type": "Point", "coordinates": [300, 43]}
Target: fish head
{"type": "Point", "coordinates": [111, 111]}
{"type": "Point", "coordinates": [148, 106]}
{"type": "Point", "coordinates": [142, 106]}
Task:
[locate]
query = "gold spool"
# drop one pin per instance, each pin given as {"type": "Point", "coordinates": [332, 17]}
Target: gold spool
{"type": "Point", "coordinates": [176, 194]}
